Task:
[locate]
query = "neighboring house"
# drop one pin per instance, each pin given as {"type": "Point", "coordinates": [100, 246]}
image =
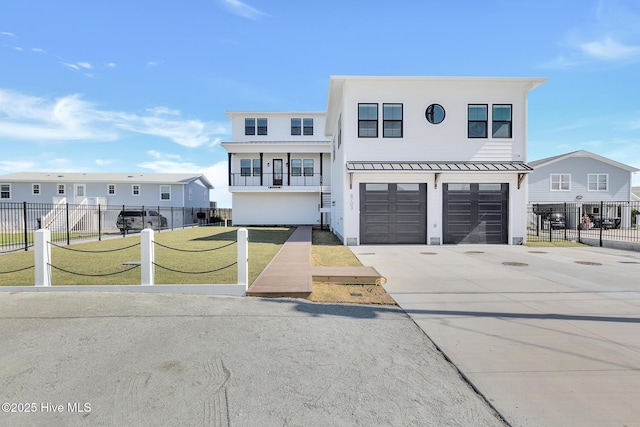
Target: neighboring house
{"type": "Point", "coordinates": [428, 159]}
{"type": "Point", "coordinates": [161, 191]}
{"type": "Point", "coordinates": [635, 194]}
{"type": "Point", "coordinates": [279, 168]}
{"type": "Point", "coordinates": [586, 181]}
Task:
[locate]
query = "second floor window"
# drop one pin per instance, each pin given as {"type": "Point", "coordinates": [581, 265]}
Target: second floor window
{"type": "Point", "coordinates": [392, 120]}
{"type": "Point", "coordinates": [256, 167]}
{"type": "Point", "coordinates": [308, 167]}
{"type": "Point", "coordinates": [296, 167]}
{"type": "Point", "coordinates": [560, 181]}
{"type": "Point", "coordinates": [135, 189]}
{"type": "Point", "coordinates": [501, 121]}
{"type": "Point", "coordinates": [598, 182]}
{"type": "Point", "coordinates": [477, 116]}
{"type": "Point", "coordinates": [367, 120]}
{"type": "Point", "coordinates": [245, 167]}
{"type": "Point", "coordinates": [35, 189]}
{"type": "Point", "coordinates": [61, 189]}
{"type": "Point", "coordinates": [111, 189]}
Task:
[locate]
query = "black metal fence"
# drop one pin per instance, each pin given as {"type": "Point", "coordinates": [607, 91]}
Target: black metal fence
{"type": "Point", "coordinates": [68, 222]}
{"type": "Point", "coordinates": [599, 221]}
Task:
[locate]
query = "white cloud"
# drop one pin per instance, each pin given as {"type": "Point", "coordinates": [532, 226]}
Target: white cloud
{"type": "Point", "coordinates": [609, 50]}
{"type": "Point", "coordinates": [16, 166]}
{"type": "Point", "coordinates": [103, 162]}
{"type": "Point", "coordinates": [151, 64]}
{"type": "Point", "coordinates": [242, 9]}
{"type": "Point", "coordinates": [25, 117]}
{"type": "Point", "coordinates": [111, 65]}
{"type": "Point", "coordinates": [8, 34]}
{"type": "Point", "coordinates": [78, 66]}
{"type": "Point", "coordinates": [37, 50]}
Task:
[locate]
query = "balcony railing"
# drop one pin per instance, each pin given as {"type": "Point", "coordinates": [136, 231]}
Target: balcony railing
{"type": "Point", "coordinates": [276, 180]}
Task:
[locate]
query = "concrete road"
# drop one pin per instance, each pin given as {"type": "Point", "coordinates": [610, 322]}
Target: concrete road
{"type": "Point", "coordinates": [550, 336]}
{"type": "Point", "coordinates": [130, 359]}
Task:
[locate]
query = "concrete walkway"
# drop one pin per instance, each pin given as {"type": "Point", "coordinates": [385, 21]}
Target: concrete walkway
{"type": "Point", "coordinates": [550, 336]}
{"type": "Point", "coordinates": [290, 273]}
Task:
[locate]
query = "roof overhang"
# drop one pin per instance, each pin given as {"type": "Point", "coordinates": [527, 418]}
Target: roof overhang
{"type": "Point", "coordinates": [518, 167]}
{"type": "Point", "coordinates": [437, 168]}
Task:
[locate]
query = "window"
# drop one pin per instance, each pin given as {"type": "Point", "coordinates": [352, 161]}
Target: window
{"type": "Point", "coordinates": [111, 189]}
{"type": "Point", "coordinates": [308, 167]}
{"type": "Point", "coordinates": [367, 120]}
{"type": "Point", "coordinates": [560, 182]}
{"type": "Point", "coordinates": [434, 114]}
{"type": "Point", "coordinates": [5, 191]}
{"type": "Point", "coordinates": [256, 167]}
{"type": "Point", "coordinates": [135, 189]}
{"type": "Point", "coordinates": [296, 167]}
{"type": "Point", "coordinates": [35, 189]}
{"type": "Point", "coordinates": [501, 117]}
{"type": "Point", "coordinates": [477, 116]}
{"type": "Point", "coordinates": [262, 126]}
{"type": "Point", "coordinates": [296, 126]}
{"type": "Point", "coordinates": [61, 189]}
{"type": "Point", "coordinates": [249, 126]}
{"type": "Point", "coordinates": [165, 192]}
{"type": "Point", "coordinates": [392, 120]}
{"type": "Point", "coordinates": [307, 127]}
{"type": "Point", "coordinates": [245, 167]}
{"type": "Point", "coordinates": [598, 182]}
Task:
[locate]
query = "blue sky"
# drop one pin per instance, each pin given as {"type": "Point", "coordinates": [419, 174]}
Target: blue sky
{"type": "Point", "coordinates": [142, 86]}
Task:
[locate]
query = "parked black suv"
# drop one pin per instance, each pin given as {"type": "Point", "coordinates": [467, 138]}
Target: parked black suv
{"type": "Point", "coordinates": [136, 220]}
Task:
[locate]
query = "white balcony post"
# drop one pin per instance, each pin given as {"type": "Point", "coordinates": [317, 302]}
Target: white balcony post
{"type": "Point", "coordinates": [243, 257]}
{"type": "Point", "coordinates": [42, 257]}
{"type": "Point", "coordinates": [147, 257]}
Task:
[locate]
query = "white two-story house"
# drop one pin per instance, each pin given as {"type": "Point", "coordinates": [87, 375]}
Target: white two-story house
{"type": "Point", "coordinates": [428, 160]}
{"type": "Point", "coordinates": [279, 168]}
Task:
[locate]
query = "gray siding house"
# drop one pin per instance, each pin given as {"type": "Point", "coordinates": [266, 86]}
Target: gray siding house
{"type": "Point", "coordinates": [164, 192]}
{"type": "Point", "coordinates": [585, 180]}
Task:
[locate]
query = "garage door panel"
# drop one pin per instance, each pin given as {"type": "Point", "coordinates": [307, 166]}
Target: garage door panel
{"type": "Point", "coordinates": [475, 216]}
{"type": "Point", "coordinates": [397, 215]}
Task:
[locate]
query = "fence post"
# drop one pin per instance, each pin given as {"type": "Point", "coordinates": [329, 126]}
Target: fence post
{"type": "Point", "coordinates": [147, 267]}
{"type": "Point", "coordinates": [243, 258]}
{"type": "Point", "coordinates": [26, 230]}
{"type": "Point", "coordinates": [42, 257]}
{"type": "Point", "coordinates": [601, 220]}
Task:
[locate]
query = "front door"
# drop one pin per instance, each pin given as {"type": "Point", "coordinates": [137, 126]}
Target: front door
{"type": "Point", "coordinates": [277, 172]}
{"type": "Point", "coordinates": [79, 193]}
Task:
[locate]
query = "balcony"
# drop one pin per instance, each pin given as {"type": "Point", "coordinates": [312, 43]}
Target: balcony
{"type": "Point", "coordinates": [280, 180]}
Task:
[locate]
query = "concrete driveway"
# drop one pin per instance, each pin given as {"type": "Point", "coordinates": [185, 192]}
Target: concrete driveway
{"type": "Point", "coordinates": [550, 336]}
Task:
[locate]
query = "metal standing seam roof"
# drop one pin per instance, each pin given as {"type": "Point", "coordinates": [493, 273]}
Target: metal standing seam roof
{"type": "Point", "coordinates": [439, 166]}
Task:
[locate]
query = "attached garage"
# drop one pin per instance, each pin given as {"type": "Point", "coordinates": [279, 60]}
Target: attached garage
{"type": "Point", "coordinates": [475, 213]}
{"type": "Point", "coordinates": [393, 213]}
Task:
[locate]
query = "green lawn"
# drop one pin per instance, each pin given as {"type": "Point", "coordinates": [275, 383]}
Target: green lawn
{"type": "Point", "coordinates": [263, 245]}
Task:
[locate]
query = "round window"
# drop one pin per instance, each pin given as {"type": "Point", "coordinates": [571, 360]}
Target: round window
{"type": "Point", "coordinates": [435, 113]}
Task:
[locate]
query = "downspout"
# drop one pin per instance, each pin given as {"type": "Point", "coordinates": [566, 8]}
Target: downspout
{"type": "Point", "coordinates": [229, 166]}
{"type": "Point", "coordinates": [288, 169]}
